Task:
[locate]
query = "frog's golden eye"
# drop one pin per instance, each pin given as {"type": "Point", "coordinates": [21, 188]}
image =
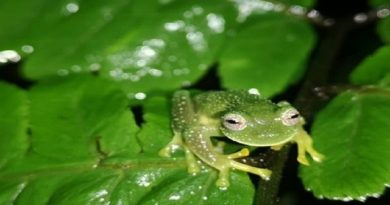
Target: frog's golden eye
{"type": "Point", "coordinates": [234, 122]}
{"type": "Point", "coordinates": [290, 117]}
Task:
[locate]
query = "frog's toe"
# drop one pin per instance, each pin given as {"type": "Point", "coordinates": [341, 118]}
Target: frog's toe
{"type": "Point", "coordinates": [242, 153]}
{"type": "Point", "coordinates": [303, 160]}
{"type": "Point", "coordinates": [223, 178]}
{"type": "Point", "coordinates": [193, 168]}
{"type": "Point", "coordinates": [316, 156]}
{"type": "Point", "coordinates": [222, 183]}
{"type": "Point", "coordinates": [263, 173]}
{"type": "Point", "coordinates": [165, 152]}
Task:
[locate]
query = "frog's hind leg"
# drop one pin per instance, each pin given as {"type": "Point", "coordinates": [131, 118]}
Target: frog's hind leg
{"type": "Point", "coordinates": [223, 178]}
{"type": "Point", "coordinates": [263, 173]}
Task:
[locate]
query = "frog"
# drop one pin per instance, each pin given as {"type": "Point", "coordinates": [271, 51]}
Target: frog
{"type": "Point", "coordinates": [244, 117]}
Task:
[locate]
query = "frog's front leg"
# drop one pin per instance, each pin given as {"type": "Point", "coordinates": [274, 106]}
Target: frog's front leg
{"type": "Point", "coordinates": [197, 139]}
{"type": "Point", "coordinates": [244, 152]}
{"type": "Point", "coordinates": [175, 143]}
{"type": "Point", "coordinates": [305, 144]}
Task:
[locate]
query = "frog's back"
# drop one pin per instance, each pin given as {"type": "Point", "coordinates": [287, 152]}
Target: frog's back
{"type": "Point", "coordinates": [214, 102]}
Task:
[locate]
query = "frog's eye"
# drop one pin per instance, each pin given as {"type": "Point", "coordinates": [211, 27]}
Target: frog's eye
{"type": "Point", "coordinates": [290, 117]}
{"type": "Point", "coordinates": [234, 122]}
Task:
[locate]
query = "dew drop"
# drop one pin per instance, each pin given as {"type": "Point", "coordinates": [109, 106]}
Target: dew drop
{"type": "Point", "coordinates": [196, 40]}
{"type": "Point", "coordinates": [62, 72]}
{"type": "Point", "coordinates": [143, 181]}
{"type": "Point", "coordinates": [375, 195]}
{"type": "Point", "coordinates": [329, 22]}
{"type": "Point", "coordinates": [155, 72]}
{"type": "Point", "coordinates": [134, 78]}
{"type": "Point", "coordinates": [115, 73]}
{"type": "Point", "coordinates": [197, 10]}
{"type": "Point", "coordinates": [174, 26]}
{"type": "Point", "coordinates": [348, 198]}
{"type": "Point", "coordinates": [125, 76]}
{"type": "Point", "coordinates": [72, 7]}
{"type": "Point", "coordinates": [140, 96]}
{"type": "Point", "coordinates": [76, 68]}
{"type": "Point", "coordinates": [27, 49]}
{"type": "Point", "coordinates": [313, 14]}
{"type": "Point", "coordinates": [216, 23]}
{"type": "Point", "coordinates": [254, 91]}
{"type": "Point", "coordinates": [188, 14]}
{"type": "Point", "coordinates": [186, 83]}
{"type": "Point", "coordinates": [101, 193]}
{"type": "Point", "coordinates": [174, 197]}
{"type": "Point", "coordinates": [297, 10]}
{"type": "Point", "coordinates": [362, 198]}
{"type": "Point", "coordinates": [248, 7]}
{"type": "Point", "coordinates": [141, 63]}
{"type": "Point", "coordinates": [94, 67]}
{"type": "Point", "coordinates": [382, 13]}
{"type": "Point", "coordinates": [147, 52]}
{"type": "Point", "coordinates": [360, 18]}
{"type": "Point", "coordinates": [159, 43]}
{"type": "Point", "coordinates": [9, 56]}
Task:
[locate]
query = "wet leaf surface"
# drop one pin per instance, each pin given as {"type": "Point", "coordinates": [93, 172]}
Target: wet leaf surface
{"type": "Point", "coordinates": [142, 45]}
{"type": "Point", "coordinates": [76, 143]}
{"type": "Point", "coordinates": [355, 143]}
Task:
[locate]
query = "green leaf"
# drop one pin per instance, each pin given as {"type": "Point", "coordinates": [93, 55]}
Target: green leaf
{"type": "Point", "coordinates": [306, 3]}
{"type": "Point", "coordinates": [259, 55]}
{"type": "Point", "coordinates": [373, 69]}
{"type": "Point", "coordinates": [380, 2]}
{"type": "Point", "coordinates": [13, 123]}
{"type": "Point", "coordinates": [156, 133]}
{"type": "Point", "coordinates": [140, 44]}
{"type": "Point", "coordinates": [352, 133]}
{"type": "Point", "coordinates": [81, 148]}
{"type": "Point", "coordinates": [25, 20]}
{"type": "Point", "coordinates": [384, 29]}
{"type": "Point", "coordinates": [145, 44]}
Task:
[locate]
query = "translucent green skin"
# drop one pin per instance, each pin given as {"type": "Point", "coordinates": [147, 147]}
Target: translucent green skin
{"type": "Point", "coordinates": [264, 126]}
{"type": "Point", "coordinates": [197, 119]}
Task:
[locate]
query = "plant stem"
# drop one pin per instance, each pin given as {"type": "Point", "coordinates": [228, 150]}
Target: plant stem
{"type": "Point", "coordinates": [319, 67]}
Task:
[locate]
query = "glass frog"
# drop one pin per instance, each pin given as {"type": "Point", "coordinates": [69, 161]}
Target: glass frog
{"type": "Point", "coordinates": [241, 116]}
